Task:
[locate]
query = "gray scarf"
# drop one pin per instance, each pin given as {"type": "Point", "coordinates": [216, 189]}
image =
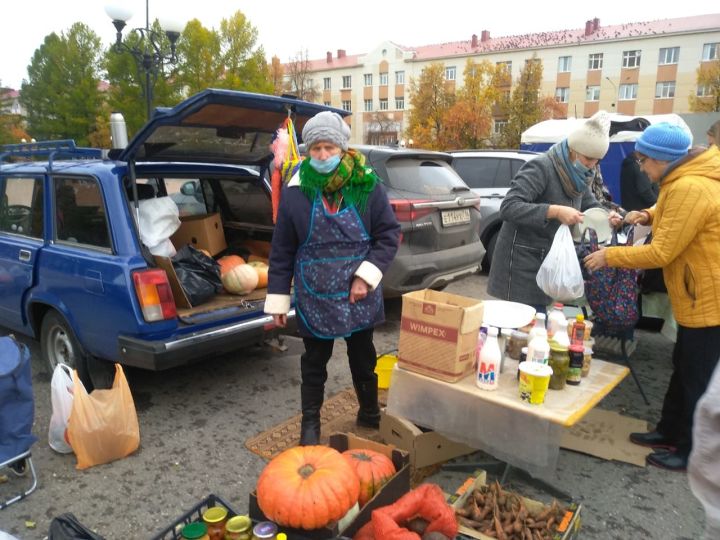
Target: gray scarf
{"type": "Point", "coordinates": [573, 183]}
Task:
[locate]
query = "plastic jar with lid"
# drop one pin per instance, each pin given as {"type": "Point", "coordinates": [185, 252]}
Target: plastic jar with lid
{"type": "Point", "coordinates": [215, 518]}
{"type": "Point", "coordinates": [587, 360]}
{"type": "Point", "coordinates": [559, 362]}
{"type": "Point", "coordinates": [195, 531]}
{"type": "Point", "coordinates": [517, 341]}
{"type": "Point", "coordinates": [238, 528]}
{"type": "Point", "coordinates": [265, 530]}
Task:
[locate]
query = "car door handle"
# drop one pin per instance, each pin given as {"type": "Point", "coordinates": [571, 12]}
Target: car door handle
{"type": "Point", "coordinates": [24, 255]}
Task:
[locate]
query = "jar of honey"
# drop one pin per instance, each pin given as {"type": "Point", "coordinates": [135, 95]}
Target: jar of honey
{"type": "Point", "coordinates": [215, 519]}
{"type": "Point", "coordinates": [238, 528]}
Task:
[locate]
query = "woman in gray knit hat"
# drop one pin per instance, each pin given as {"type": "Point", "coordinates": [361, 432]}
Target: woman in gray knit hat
{"type": "Point", "coordinates": [552, 189]}
{"type": "Point", "coordinates": [335, 236]}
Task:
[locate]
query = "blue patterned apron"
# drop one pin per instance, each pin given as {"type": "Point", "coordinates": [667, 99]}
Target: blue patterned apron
{"type": "Point", "coordinates": [324, 269]}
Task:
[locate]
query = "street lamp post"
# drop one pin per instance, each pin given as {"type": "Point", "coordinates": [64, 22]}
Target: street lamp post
{"type": "Point", "coordinates": [615, 89]}
{"type": "Point", "coordinates": [149, 53]}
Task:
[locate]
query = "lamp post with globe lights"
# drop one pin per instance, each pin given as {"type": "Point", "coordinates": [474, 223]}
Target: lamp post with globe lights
{"type": "Point", "coordinates": [149, 52]}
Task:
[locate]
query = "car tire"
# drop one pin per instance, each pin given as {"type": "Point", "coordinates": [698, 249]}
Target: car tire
{"type": "Point", "coordinates": [489, 251]}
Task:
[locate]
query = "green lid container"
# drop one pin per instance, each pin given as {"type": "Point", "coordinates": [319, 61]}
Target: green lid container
{"type": "Point", "coordinates": [194, 531]}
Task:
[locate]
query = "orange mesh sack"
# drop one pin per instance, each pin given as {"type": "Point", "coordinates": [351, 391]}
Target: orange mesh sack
{"type": "Point", "coordinates": [103, 425]}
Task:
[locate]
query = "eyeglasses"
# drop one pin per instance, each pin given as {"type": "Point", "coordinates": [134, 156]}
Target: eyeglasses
{"type": "Point", "coordinates": [641, 160]}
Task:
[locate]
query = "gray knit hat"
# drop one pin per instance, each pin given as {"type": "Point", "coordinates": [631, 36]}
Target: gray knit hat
{"type": "Point", "coordinates": [326, 126]}
{"type": "Point", "coordinates": [592, 137]}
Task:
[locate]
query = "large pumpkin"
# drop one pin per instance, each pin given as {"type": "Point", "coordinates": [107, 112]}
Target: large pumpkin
{"type": "Point", "coordinates": [228, 262]}
{"type": "Point", "coordinates": [307, 487]}
{"type": "Point", "coordinates": [241, 279]}
{"type": "Point", "coordinates": [262, 271]}
{"type": "Point", "coordinates": [373, 469]}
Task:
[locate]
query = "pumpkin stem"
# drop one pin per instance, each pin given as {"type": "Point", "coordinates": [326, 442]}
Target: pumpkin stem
{"type": "Point", "coordinates": [362, 456]}
{"type": "Point", "coordinates": [306, 470]}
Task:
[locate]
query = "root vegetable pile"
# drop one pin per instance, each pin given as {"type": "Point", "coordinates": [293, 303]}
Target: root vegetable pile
{"type": "Point", "coordinates": [502, 514]}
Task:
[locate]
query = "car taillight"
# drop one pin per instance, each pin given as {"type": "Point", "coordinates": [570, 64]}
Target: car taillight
{"type": "Point", "coordinates": [405, 209]}
{"type": "Point", "coordinates": [154, 293]}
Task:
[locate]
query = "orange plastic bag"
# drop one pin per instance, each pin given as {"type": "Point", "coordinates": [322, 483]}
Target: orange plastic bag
{"type": "Point", "coordinates": [103, 425]}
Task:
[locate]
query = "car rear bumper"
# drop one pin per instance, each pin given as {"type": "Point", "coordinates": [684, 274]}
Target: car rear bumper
{"type": "Point", "coordinates": [157, 355]}
{"type": "Point", "coordinates": [413, 272]}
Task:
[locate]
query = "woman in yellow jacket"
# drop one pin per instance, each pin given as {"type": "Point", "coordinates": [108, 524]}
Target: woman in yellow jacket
{"type": "Point", "coordinates": [686, 245]}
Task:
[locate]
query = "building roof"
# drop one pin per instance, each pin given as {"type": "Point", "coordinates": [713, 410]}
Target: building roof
{"type": "Point", "coordinates": [9, 93]}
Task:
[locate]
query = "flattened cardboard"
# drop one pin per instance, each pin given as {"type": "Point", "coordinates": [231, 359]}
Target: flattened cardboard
{"type": "Point", "coordinates": [438, 334]}
{"type": "Point", "coordinates": [181, 299]}
{"type": "Point", "coordinates": [568, 528]}
{"type": "Point", "coordinates": [201, 232]}
{"type": "Point", "coordinates": [425, 448]}
{"type": "Point", "coordinates": [605, 434]}
{"type": "Point", "coordinates": [395, 488]}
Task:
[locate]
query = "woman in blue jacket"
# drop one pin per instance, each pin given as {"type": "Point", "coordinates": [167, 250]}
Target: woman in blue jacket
{"type": "Point", "coordinates": [336, 235]}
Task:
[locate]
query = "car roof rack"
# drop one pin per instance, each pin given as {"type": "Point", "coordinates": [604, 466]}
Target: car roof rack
{"type": "Point", "coordinates": [52, 149]}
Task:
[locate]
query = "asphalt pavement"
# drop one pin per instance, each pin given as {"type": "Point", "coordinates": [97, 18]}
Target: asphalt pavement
{"type": "Point", "coordinates": [194, 421]}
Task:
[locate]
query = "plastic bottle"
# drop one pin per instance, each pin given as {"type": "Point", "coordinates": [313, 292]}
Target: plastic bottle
{"type": "Point", "coordinates": [554, 318]}
{"type": "Point", "coordinates": [578, 330]}
{"type": "Point", "coordinates": [561, 336]}
{"type": "Point", "coordinates": [488, 368]}
{"type": "Point", "coordinates": [538, 347]}
{"type": "Point", "coordinates": [538, 325]}
{"type": "Point", "coordinates": [482, 336]}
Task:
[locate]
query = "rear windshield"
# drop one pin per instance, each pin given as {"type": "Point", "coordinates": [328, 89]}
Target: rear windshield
{"type": "Point", "coordinates": [423, 176]}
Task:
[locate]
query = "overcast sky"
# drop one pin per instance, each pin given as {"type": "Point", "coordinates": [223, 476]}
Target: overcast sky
{"type": "Point", "coordinates": [288, 27]}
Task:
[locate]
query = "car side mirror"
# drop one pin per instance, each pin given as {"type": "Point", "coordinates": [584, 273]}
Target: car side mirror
{"type": "Point", "coordinates": [188, 188]}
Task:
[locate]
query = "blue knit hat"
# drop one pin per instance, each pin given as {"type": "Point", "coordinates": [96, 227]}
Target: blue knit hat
{"type": "Point", "coordinates": [664, 142]}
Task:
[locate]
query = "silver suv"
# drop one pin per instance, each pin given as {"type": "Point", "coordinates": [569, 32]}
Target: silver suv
{"type": "Point", "coordinates": [488, 173]}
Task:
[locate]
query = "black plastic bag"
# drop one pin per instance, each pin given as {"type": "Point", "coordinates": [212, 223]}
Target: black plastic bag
{"type": "Point", "coordinates": [67, 527]}
{"type": "Point", "coordinates": [198, 274]}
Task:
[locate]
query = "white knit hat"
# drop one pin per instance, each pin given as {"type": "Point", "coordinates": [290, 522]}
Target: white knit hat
{"type": "Point", "coordinates": [592, 137]}
{"type": "Point", "coordinates": [326, 126]}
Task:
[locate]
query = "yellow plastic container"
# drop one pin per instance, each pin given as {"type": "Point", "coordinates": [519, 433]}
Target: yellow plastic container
{"type": "Point", "coordinates": [383, 369]}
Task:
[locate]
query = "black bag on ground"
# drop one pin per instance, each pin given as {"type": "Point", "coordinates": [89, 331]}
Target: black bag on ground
{"type": "Point", "coordinates": [67, 527]}
{"type": "Point", "coordinates": [198, 274]}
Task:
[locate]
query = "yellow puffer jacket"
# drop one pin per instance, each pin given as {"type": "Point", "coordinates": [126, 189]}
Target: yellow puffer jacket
{"type": "Point", "coordinates": [686, 239]}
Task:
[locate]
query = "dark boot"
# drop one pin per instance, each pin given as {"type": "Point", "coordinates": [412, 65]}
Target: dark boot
{"type": "Point", "coordinates": [312, 400]}
{"type": "Point", "coordinates": [369, 411]}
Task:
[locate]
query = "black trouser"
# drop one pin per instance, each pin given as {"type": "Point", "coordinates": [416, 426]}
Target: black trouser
{"type": "Point", "coordinates": [361, 355]}
{"type": "Point", "coordinates": [694, 359]}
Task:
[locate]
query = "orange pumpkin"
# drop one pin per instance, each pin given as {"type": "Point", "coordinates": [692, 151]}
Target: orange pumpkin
{"type": "Point", "coordinates": [241, 279]}
{"type": "Point", "coordinates": [228, 262]}
{"type": "Point", "coordinates": [262, 270]}
{"type": "Point", "coordinates": [373, 469]}
{"type": "Point", "coordinates": [307, 487]}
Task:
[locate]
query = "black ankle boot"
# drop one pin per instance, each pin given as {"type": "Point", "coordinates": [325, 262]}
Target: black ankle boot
{"type": "Point", "coordinates": [312, 400]}
{"type": "Point", "coordinates": [369, 411]}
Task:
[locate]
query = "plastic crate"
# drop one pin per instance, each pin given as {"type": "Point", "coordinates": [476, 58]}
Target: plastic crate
{"type": "Point", "coordinates": [194, 514]}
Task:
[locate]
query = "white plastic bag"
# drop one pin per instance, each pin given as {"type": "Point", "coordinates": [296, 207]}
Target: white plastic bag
{"type": "Point", "coordinates": [158, 221]}
{"type": "Point", "coordinates": [560, 276]}
{"type": "Point", "coordinates": [61, 396]}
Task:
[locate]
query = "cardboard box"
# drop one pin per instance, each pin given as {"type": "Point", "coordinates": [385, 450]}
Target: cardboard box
{"type": "Point", "coordinates": [438, 334]}
{"type": "Point", "coordinates": [201, 232]}
{"type": "Point", "coordinates": [568, 528]}
{"type": "Point", "coordinates": [425, 447]}
{"type": "Point", "coordinates": [395, 488]}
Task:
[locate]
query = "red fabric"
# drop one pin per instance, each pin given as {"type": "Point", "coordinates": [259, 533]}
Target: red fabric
{"type": "Point", "coordinates": [425, 501]}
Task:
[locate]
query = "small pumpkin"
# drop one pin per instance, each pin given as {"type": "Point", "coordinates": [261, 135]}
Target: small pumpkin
{"type": "Point", "coordinates": [262, 270]}
{"type": "Point", "coordinates": [241, 279]}
{"type": "Point", "coordinates": [228, 262]}
{"type": "Point", "coordinates": [307, 487]}
{"type": "Point", "coordinates": [373, 469]}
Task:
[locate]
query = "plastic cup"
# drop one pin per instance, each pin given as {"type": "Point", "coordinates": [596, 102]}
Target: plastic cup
{"type": "Point", "coordinates": [534, 382]}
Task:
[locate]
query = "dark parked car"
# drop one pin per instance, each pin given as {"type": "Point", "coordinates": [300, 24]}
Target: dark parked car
{"type": "Point", "coordinates": [488, 173]}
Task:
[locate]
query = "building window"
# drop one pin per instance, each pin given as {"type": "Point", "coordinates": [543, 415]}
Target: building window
{"type": "Point", "coordinates": [400, 103]}
{"type": "Point", "coordinates": [562, 95]}
{"type": "Point", "coordinates": [384, 79]}
{"type": "Point", "coordinates": [326, 83]}
{"type": "Point", "coordinates": [631, 59]}
{"type": "Point", "coordinates": [665, 89]}
{"type": "Point", "coordinates": [595, 61]}
{"type": "Point", "coordinates": [564, 64]}
{"type": "Point", "coordinates": [627, 91]}
{"type": "Point", "coordinates": [592, 93]}
{"type": "Point", "coordinates": [399, 77]}
{"type": "Point", "coordinates": [368, 79]}
{"type": "Point", "coordinates": [383, 104]}
{"type": "Point", "coordinates": [326, 103]}
{"type": "Point", "coordinates": [669, 56]}
{"type": "Point", "coordinates": [450, 73]}
{"type": "Point", "coordinates": [368, 105]}
{"type": "Point", "coordinates": [347, 81]}
{"type": "Point", "coordinates": [711, 51]}
{"type": "Point", "coordinates": [499, 126]}
{"type": "Point", "coordinates": [347, 105]}
{"type": "Point", "coordinates": [704, 90]}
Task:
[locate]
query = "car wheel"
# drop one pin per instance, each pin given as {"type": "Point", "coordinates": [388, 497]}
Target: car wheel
{"type": "Point", "coordinates": [58, 343]}
{"type": "Point", "coordinates": [489, 251]}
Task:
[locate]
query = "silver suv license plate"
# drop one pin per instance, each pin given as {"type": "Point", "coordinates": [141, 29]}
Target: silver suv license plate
{"type": "Point", "coordinates": [455, 217]}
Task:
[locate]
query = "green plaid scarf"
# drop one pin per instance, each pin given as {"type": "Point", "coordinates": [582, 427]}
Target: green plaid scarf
{"type": "Point", "coordinates": [351, 178]}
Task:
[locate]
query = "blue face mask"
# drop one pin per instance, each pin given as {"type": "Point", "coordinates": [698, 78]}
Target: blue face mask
{"type": "Point", "coordinates": [582, 169]}
{"type": "Point", "coordinates": [325, 166]}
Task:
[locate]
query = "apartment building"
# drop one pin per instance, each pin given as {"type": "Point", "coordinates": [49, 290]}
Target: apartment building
{"type": "Point", "coordinates": [635, 68]}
